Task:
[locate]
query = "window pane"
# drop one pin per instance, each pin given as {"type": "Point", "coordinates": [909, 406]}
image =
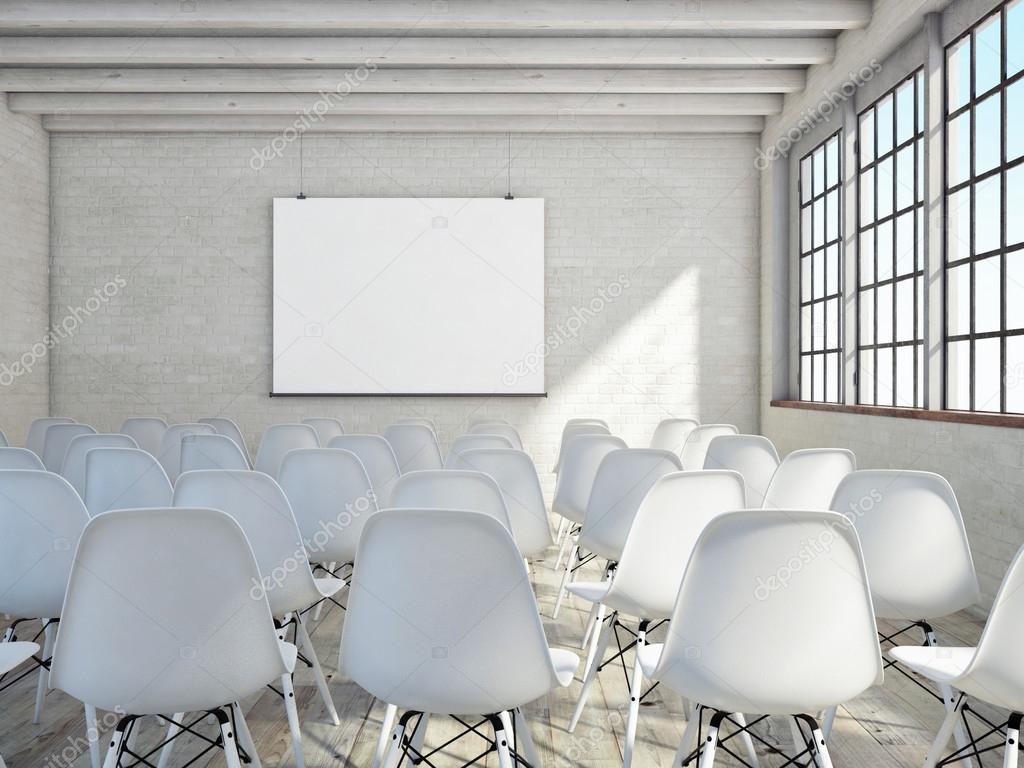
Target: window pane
{"type": "Point", "coordinates": [867, 196]}
{"type": "Point", "coordinates": [958, 300]}
{"type": "Point", "coordinates": [905, 310]}
{"type": "Point", "coordinates": [832, 377]}
{"type": "Point", "coordinates": [819, 170]}
{"type": "Point", "coordinates": [1015, 374]}
{"type": "Point", "coordinates": [805, 378]}
{"type": "Point", "coordinates": [832, 324]}
{"type": "Point", "coordinates": [818, 377]}
{"type": "Point", "coordinates": [885, 125]}
{"type": "Point", "coordinates": [1015, 289]}
{"type": "Point", "coordinates": [958, 375]}
{"type": "Point", "coordinates": [958, 225]}
{"type": "Point", "coordinates": [885, 181]}
{"type": "Point", "coordinates": [818, 326]}
{"type": "Point", "coordinates": [883, 381]}
{"type": "Point", "coordinates": [832, 270]}
{"type": "Point", "coordinates": [905, 177]}
{"type": "Point", "coordinates": [805, 279]}
{"type": "Point", "coordinates": [1015, 118]}
{"type": "Point", "coordinates": [819, 274]}
{"type": "Point", "coordinates": [867, 257]}
{"type": "Point", "coordinates": [959, 142]}
{"type": "Point", "coordinates": [867, 316]}
{"type": "Point", "coordinates": [987, 211]}
{"type": "Point", "coordinates": [805, 229]}
{"type": "Point", "coordinates": [905, 112]}
{"type": "Point", "coordinates": [866, 141]}
{"type": "Point", "coordinates": [920, 170]}
{"type": "Point", "coordinates": [987, 375]}
{"type": "Point", "coordinates": [832, 162]}
{"type": "Point", "coordinates": [988, 140]}
{"type": "Point", "coordinates": [905, 376]}
{"type": "Point", "coordinates": [986, 295]}
{"type": "Point", "coordinates": [805, 329]}
{"type": "Point", "coordinates": [1014, 38]}
{"type": "Point", "coordinates": [832, 216]}
{"type": "Point", "coordinates": [866, 377]}
{"type": "Point", "coordinates": [819, 222]}
{"type": "Point", "coordinates": [905, 243]}
{"type": "Point", "coordinates": [884, 298]}
{"type": "Point", "coordinates": [1015, 204]}
{"type": "Point", "coordinates": [958, 74]}
{"type": "Point", "coordinates": [805, 180]}
{"type": "Point", "coordinates": [987, 63]}
{"type": "Point", "coordinates": [884, 248]}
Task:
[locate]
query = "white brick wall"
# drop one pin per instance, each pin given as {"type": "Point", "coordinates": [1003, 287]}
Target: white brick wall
{"type": "Point", "coordinates": [186, 222]}
{"type": "Point", "coordinates": [24, 257]}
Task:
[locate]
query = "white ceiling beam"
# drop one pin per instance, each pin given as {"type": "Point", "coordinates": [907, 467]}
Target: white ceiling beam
{"type": "Point", "coordinates": [414, 51]}
{"type": "Point", "coordinates": [128, 80]}
{"type": "Point", "coordinates": [415, 124]}
{"type": "Point", "coordinates": [317, 17]}
{"type": "Point", "coordinates": [395, 104]}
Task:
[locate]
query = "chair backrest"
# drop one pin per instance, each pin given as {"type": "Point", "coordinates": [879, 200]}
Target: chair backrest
{"type": "Point", "coordinates": [41, 520]}
{"type": "Point", "coordinates": [326, 428]}
{"type": "Point", "coordinates": [585, 420]}
{"type": "Point", "coordinates": [668, 523]}
{"type": "Point", "coordinates": [37, 432]}
{"type": "Point", "coordinates": [622, 481]}
{"type": "Point", "coordinates": [695, 450]}
{"type": "Point", "coordinates": [259, 505]}
{"type": "Point", "coordinates": [773, 616]}
{"type": "Point", "coordinates": [487, 420]}
{"type": "Point", "coordinates": [451, 489]}
{"type": "Point", "coordinates": [808, 478]}
{"type": "Point", "coordinates": [671, 434]}
{"type": "Point", "coordinates": [146, 431]}
{"type": "Point", "coordinates": [170, 446]}
{"type": "Point", "coordinates": [378, 459]}
{"type": "Point", "coordinates": [3, 440]}
{"type": "Point", "coordinates": [423, 420]}
{"type": "Point", "coordinates": [229, 428]}
{"type": "Point", "coordinates": [580, 459]}
{"type": "Point", "coordinates": [124, 478]}
{"type": "Point", "coordinates": [468, 639]}
{"type": "Point", "coordinates": [58, 438]}
{"type": "Point", "coordinates": [73, 468]}
{"type": "Point", "coordinates": [331, 496]}
{"type": "Point", "coordinates": [496, 428]}
{"type": "Point", "coordinates": [415, 446]}
{"type": "Point", "coordinates": [516, 475]}
{"type": "Point", "coordinates": [277, 440]}
{"type": "Point", "coordinates": [161, 617]}
{"type": "Point", "coordinates": [473, 443]}
{"type": "Point", "coordinates": [909, 522]}
{"type": "Point", "coordinates": [211, 452]}
{"type": "Point", "coordinates": [19, 458]}
{"type": "Point", "coordinates": [575, 430]}
{"type": "Point", "coordinates": [753, 456]}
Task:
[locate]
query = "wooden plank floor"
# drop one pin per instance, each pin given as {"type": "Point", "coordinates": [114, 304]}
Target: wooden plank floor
{"type": "Point", "coordinates": [891, 725]}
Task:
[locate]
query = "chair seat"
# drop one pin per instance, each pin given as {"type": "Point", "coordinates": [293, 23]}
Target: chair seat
{"type": "Point", "coordinates": [568, 511]}
{"type": "Point", "coordinates": [649, 656]}
{"type": "Point", "coordinates": [592, 591]}
{"type": "Point", "coordinates": [329, 585]}
{"type": "Point", "coordinates": [941, 664]}
{"type": "Point", "coordinates": [13, 654]}
{"type": "Point", "coordinates": [565, 664]}
{"type": "Point", "coordinates": [601, 592]}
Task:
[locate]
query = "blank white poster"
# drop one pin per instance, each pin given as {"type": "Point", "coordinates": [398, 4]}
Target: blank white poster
{"type": "Point", "coordinates": [403, 296]}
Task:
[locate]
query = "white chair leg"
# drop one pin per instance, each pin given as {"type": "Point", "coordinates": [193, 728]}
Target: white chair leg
{"type": "Point", "coordinates": [828, 721]}
{"type": "Point", "coordinates": [113, 751]}
{"type": "Point", "coordinates": [245, 736]}
{"type": "Point", "coordinates": [948, 697]}
{"type": "Point", "coordinates": [501, 741]}
{"type": "Point", "coordinates": [92, 735]}
{"type": "Point", "coordinates": [594, 633]}
{"type": "Point", "coordinates": [799, 741]}
{"type": "Point", "coordinates": [510, 731]}
{"type": "Point", "coordinates": [563, 543]}
{"type": "Point", "coordinates": [569, 564]}
{"type": "Point", "coordinates": [707, 754]}
{"type": "Point", "coordinates": [227, 734]}
{"type": "Point", "coordinates": [604, 637]}
{"type": "Point", "coordinates": [320, 606]}
{"type": "Point", "coordinates": [1012, 741]}
{"type": "Point", "coordinates": [524, 740]}
{"type": "Point", "coordinates": [685, 744]}
{"type": "Point", "coordinates": [596, 609]}
{"type": "Point", "coordinates": [386, 725]}
{"type": "Point", "coordinates": [748, 743]}
{"type": "Point", "coordinates": [419, 735]}
{"type": "Point", "coordinates": [293, 719]}
{"type": "Point", "coordinates": [394, 753]}
{"type": "Point", "coordinates": [821, 755]}
{"type": "Point", "coordinates": [945, 732]}
{"type": "Point", "coordinates": [44, 673]}
{"type": "Point", "coordinates": [168, 749]}
{"type": "Point", "coordinates": [635, 690]}
{"type": "Point", "coordinates": [318, 672]}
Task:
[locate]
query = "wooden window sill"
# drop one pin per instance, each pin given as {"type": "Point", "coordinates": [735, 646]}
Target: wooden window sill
{"type": "Point", "coordinates": [1012, 421]}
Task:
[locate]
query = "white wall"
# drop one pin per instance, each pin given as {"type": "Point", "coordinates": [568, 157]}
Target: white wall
{"type": "Point", "coordinates": [184, 222]}
{"type": "Point", "coordinates": [24, 264]}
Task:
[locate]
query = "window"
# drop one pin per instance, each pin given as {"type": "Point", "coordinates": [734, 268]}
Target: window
{"type": "Point", "coordinates": [984, 311]}
{"type": "Point", "coordinates": [890, 264]}
{"type": "Point", "coordinates": [821, 279]}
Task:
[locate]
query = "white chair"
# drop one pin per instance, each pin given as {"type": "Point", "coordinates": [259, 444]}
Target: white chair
{"type": "Point", "coordinates": [56, 441]}
{"type": "Point", "coordinates": [211, 452]}
{"type": "Point", "coordinates": [451, 489]}
{"type": "Point", "coordinates": [37, 432]}
{"type": "Point", "coordinates": [378, 460]}
{"type": "Point", "coordinates": [170, 446]}
{"type": "Point", "coordinates": [415, 447]}
{"type": "Point", "coordinates": [516, 476]}
{"type": "Point", "coordinates": [41, 521]}
{"type": "Point", "coordinates": [574, 429]}
{"type": "Point", "coordinates": [488, 420]}
{"type": "Point", "coordinates": [73, 468]}
{"type": "Point", "coordinates": [229, 429]}
{"type": "Point", "coordinates": [473, 443]}
{"type": "Point", "coordinates": [580, 458]}
{"type": "Point", "coordinates": [422, 420]}
{"type": "Point", "coordinates": [989, 672]}
{"type": "Point", "coordinates": [13, 655]}
{"type": "Point", "coordinates": [671, 434]}
{"type": "Point", "coordinates": [4, 443]}
{"type": "Point", "coordinates": [622, 480]}
{"type": "Point", "coordinates": [124, 478]}
{"type": "Point", "coordinates": [326, 428]}
{"type": "Point", "coordinates": [752, 632]}
{"type": "Point", "coordinates": [201, 643]}
{"type": "Point", "coordinates": [753, 456]}
{"type": "Point", "coordinates": [916, 550]}
{"type": "Point", "coordinates": [479, 648]}
{"type": "Point", "coordinates": [808, 478]}
{"type": "Point", "coordinates": [146, 431]}
{"type": "Point", "coordinates": [666, 527]}
{"type": "Point", "coordinates": [19, 458]}
{"type": "Point", "coordinates": [695, 449]}
{"type": "Point", "coordinates": [277, 440]}
{"type": "Point", "coordinates": [499, 428]}
{"type": "Point", "coordinates": [257, 503]}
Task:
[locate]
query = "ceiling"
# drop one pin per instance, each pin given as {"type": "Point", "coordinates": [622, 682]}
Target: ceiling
{"type": "Point", "coordinates": [419, 65]}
